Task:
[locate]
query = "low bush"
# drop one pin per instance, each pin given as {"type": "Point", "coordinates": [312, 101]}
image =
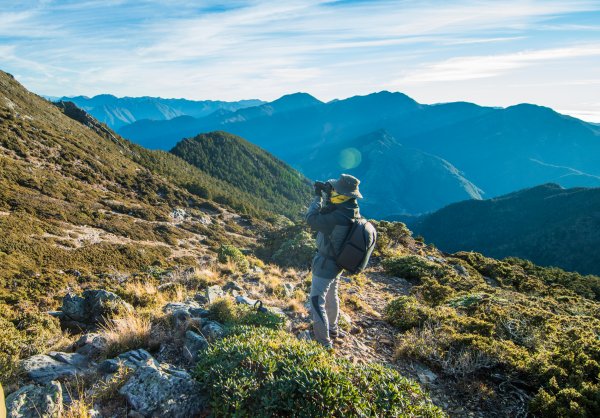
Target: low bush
{"type": "Point", "coordinates": [411, 267]}
{"type": "Point", "coordinates": [229, 313]}
{"type": "Point", "coordinates": [297, 251]}
{"type": "Point", "coordinates": [229, 253]}
{"type": "Point", "coordinates": [257, 372]}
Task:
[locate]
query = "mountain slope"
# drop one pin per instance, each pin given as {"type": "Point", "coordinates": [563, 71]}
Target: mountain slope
{"type": "Point", "coordinates": [394, 179]}
{"type": "Point", "coordinates": [548, 225]}
{"type": "Point", "coordinates": [249, 168]}
{"type": "Point", "coordinates": [119, 111]}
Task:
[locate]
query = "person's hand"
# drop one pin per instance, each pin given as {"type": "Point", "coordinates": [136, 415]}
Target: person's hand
{"type": "Point", "coordinates": [319, 188]}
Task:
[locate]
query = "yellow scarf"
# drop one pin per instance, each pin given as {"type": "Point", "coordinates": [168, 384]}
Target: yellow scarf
{"type": "Point", "coordinates": [337, 198]}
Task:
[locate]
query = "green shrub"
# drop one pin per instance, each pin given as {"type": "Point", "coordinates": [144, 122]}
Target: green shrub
{"type": "Point", "coordinates": [411, 267]}
{"type": "Point", "coordinates": [229, 313]}
{"type": "Point", "coordinates": [231, 253]}
{"type": "Point", "coordinates": [256, 372]}
{"type": "Point", "coordinates": [407, 312]}
{"type": "Point", "coordinates": [297, 251]}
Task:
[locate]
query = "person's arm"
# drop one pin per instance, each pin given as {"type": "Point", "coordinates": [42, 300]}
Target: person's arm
{"type": "Point", "coordinates": [318, 221]}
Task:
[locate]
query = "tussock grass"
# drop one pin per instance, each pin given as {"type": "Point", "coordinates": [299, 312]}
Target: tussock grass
{"type": "Point", "coordinates": [126, 332]}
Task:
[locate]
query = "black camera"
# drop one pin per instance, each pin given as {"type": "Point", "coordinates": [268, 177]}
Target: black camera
{"type": "Point", "coordinates": [323, 187]}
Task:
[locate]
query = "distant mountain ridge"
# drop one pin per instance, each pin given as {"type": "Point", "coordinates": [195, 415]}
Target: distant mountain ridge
{"type": "Point", "coordinates": [548, 224]}
{"type": "Point", "coordinates": [491, 151]}
{"type": "Point", "coordinates": [120, 111]}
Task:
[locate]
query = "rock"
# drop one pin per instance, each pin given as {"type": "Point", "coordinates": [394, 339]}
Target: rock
{"type": "Point", "coordinates": [182, 312]}
{"type": "Point", "coordinates": [43, 368]}
{"type": "Point", "coordinates": [233, 286]}
{"type": "Point", "coordinates": [199, 312]}
{"type": "Point", "coordinates": [77, 360]}
{"type": "Point", "coordinates": [277, 311]}
{"type": "Point", "coordinates": [212, 330]}
{"type": "Point", "coordinates": [34, 401]}
{"type": "Point", "coordinates": [213, 293]}
{"type": "Point", "coordinates": [461, 270]}
{"type": "Point", "coordinates": [257, 270]}
{"type": "Point", "coordinates": [425, 375]}
{"type": "Point", "coordinates": [101, 304]}
{"type": "Point", "coordinates": [158, 392]}
{"type": "Point", "coordinates": [288, 288]}
{"type": "Point", "coordinates": [91, 345]}
{"type": "Point", "coordinates": [92, 308]}
{"type": "Point", "coordinates": [244, 300]}
{"type": "Point", "coordinates": [178, 214]}
{"type": "Point", "coordinates": [132, 359]}
{"type": "Point", "coordinates": [165, 287]}
{"type": "Point", "coordinates": [192, 345]}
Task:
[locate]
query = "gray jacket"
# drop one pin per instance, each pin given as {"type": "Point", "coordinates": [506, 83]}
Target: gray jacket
{"type": "Point", "coordinates": [332, 223]}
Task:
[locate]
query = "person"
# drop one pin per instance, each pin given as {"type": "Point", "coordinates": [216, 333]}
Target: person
{"type": "Point", "coordinates": [332, 220]}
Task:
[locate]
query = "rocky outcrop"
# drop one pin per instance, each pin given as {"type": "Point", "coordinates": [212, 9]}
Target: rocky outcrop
{"type": "Point", "coordinates": [192, 345]}
{"type": "Point", "coordinates": [163, 392]}
{"type": "Point", "coordinates": [44, 368]}
{"type": "Point", "coordinates": [34, 401]}
{"type": "Point", "coordinates": [81, 313]}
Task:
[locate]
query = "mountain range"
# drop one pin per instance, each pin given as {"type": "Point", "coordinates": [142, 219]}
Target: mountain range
{"type": "Point", "coordinates": [120, 111]}
{"type": "Point", "coordinates": [547, 224]}
{"type": "Point", "coordinates": [471, 151]}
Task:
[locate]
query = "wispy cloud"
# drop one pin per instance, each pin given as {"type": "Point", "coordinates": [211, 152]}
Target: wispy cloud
{"type": "Point", "coordinates": [466, 68]}
{"type": "Point", "coordinates": [258, 48]}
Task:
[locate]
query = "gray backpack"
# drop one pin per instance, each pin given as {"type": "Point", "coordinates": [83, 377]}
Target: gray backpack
{"type": "Point", "coordinates": [357, 247]}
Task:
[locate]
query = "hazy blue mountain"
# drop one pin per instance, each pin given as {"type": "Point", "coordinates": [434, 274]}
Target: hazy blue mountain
{"type": "Point", "coordinates": [494, 150]}
{"type": "Point", "coordinates": [394, 179]}
{"type": "Point", "coordinates": [547, 224]}
{"type": "Point", "coordinates": [119, 111]}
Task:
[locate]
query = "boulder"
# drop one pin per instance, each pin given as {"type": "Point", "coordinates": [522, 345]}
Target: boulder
{"type": "Point", "coordinates": [44, 368]}
{"type": "Point", "coordinates": [212, 330]}
{"type": "Point", "coordinates": [213, 293]}
{"type": "Point", "coordinates": [288, 288]}
{"type": "Point", "coordinates": [92, 308]}
{"type": "Point", "coordinates": [91, 345]}
{"type": "Point", "coordinates": [192, 345]}
{"type": "Point", "coordinates": [160, 392]}
{"type": "Point", "coordinates": [244, 300]}
{"type": "Point", "coordinates": [34, 401]}
{"type": "Point", "coordinates": [233, 286]}
{"type": "Point", "coordinates": [132, 359]}
{"type": "Point", "coordinates": [183, 312]}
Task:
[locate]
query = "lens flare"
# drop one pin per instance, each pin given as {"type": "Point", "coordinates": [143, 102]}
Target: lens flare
{"type": "Point", "coordinates": [349, 158]}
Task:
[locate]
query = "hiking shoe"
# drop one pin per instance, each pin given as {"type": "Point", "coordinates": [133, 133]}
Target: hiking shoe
{"type": "Point", "coordinates": [338, 335]}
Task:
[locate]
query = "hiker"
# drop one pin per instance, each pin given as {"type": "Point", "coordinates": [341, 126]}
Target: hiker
{"type": "Point", "coordinates": [332, 219]}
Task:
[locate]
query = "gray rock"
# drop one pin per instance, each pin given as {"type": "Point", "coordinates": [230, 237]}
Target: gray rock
{"type": "Point", "coordinates": [73, 307]}
{"type": "Point", "coordinates": [213, 330]}
{"type": "Point", "coordinates": [34, 401]}
{"type": "Point", "coordinates": [44, 369]}
{"type": "Point", "coordinates": [244, 300]}
{"type": "Point", "coordinates": [199, 312]}
{"type": "Point", "coordinates": [181, 312]}
{"type": "Point", "coordinates": [304, 335]}
{"type": "Point", "coordinates": [91, 345]}
{"type": "Point", "coordinates": [461, 270]}
{"type": "Point", "coordinates": [193, 344]}
{"type": "Point", "coordinates": [132, 359]}
{"type": "Point", "coordinates": [101, 304]}
{"type": "Point", "coordinates": [178, 214]}
{"type": "Point", "coordinates": [77, 360]}
{"type": "Point", "coordinates": [257, 270]}
{"type": "Point", "coordinates": [288, 288]}
{"type": "Point", "coordinates": [92, 308]}
{"type": "Point", "coordinates": [159, 392]}
{"type": "Point", "coordinates": [232, 286]}
{"type": "Point", "coordinates": [213, 293]}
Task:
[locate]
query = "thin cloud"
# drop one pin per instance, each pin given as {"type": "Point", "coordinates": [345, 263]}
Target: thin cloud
{"type": "Point", "coordinates": [466, 68]}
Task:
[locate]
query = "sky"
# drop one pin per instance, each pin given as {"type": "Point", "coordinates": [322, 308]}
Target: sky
{"type": "Point", "coordinates": [493, 53]}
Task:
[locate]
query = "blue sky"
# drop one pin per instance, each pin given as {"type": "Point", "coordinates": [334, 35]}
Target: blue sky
{"type": "Point", "coordinates": [488, 52]}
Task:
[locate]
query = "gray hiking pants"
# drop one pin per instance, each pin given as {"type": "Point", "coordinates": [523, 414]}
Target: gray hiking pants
{"type": "Point", "coordinates": [325, 306]}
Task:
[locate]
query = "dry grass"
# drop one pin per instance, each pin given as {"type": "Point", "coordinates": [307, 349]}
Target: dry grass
{"type": "Point", "coordinates": [297, 306]}
{"type": "Point", "coordinates": [126, 332]}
